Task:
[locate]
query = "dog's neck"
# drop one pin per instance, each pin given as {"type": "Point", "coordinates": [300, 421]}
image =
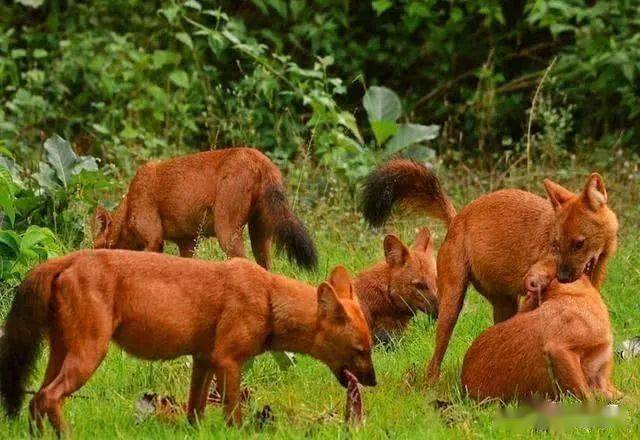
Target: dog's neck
{"type": "Point", "coordinates": [294, 316]}
{"type": "Point", "coordinates": [372, 288]}
{"type": "Point", "coordinates": [116, 231]}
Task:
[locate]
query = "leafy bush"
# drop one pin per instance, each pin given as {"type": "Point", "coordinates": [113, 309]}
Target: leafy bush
{"type": "Point", "coordinates": [127, 83]}
{"type": "Point", "coordinates": [19, 252]}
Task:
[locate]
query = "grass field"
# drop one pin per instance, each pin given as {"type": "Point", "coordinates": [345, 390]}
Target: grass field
{"type": "Point", "coordinates": [308, 402]}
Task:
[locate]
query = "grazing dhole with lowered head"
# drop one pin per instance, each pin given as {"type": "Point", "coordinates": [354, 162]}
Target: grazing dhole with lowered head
{"type": "Point", "coordinates": [210, 194]}
{"type": "Point", "coordinates": [158, 306]}
{"type": "Point", "coordinates": [496, 239]}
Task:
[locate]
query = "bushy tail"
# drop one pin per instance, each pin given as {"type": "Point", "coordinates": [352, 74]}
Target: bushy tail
{"type": "Point", "coordinates": [406, 182]}
{"type": "Point", "coordinates": [289, 232]}
{"type": "Point", "coordinates": [23, 333]}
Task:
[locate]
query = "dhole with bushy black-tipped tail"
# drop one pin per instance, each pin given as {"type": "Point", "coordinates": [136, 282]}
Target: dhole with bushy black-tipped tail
{"type": "Point", "coordinates": [160, 307]}
{"type": "Point", "coordinates": [214, 193]}
{"type": "Point", "coordinates": [499, 238]}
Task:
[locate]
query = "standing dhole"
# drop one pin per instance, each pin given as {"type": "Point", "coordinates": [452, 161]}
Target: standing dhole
{"type": "Point", "coordinates": [158, 306]}
{"type": "Point", "coordinates": [213, 194]}
{"type": "Point", "coordinates": [497, 239]}
{"type": "Point", "coordinates": [562, 346]}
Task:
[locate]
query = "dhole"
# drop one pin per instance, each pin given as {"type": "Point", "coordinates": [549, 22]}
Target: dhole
{"type": "Point", "coordinates": [214, 193]}
{"type": "Point", "coordinates": [393, 290]}
{"type": "Point", "coordinates": [157, 306]}
{"type": "Point", "coordinates": [495, 240]}
{"type": "Point", "coordinates": [562, 346]}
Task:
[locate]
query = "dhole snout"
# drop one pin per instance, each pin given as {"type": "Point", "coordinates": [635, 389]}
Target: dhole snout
{"type": "Point", "coordinates": [585, 229]}
{"type": "Point", "coordinates": [344, 339]}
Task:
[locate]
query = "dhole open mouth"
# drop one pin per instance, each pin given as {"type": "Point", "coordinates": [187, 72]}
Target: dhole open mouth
{"type": "Point", "coordinates": [588, 269]}
{"type": "Point", "coordinates": [342, 377]}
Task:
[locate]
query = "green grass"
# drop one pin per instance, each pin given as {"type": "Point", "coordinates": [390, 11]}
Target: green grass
{"type": "Point", "coordinates": [307, 401]}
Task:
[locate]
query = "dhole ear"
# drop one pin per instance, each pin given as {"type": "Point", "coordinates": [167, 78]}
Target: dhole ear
{"type": "Point", "coordinates": [594, 193]}
{"type": "Point", "coordinates": [341, 282]}
{"type": "Point", "coordinates": [329, 306]}
{"type": "Point", "coordinates": [558, 195]}
{"type": "Point", "coordinates": [101, 220]}
{"type": "Point", "coordinates": [423, 240]}
{"type": "Point", "coordinates": [395, 252]}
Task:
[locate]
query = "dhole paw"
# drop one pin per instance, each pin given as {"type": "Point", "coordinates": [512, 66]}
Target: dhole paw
{"type": "Point", "coordinates": [536, 282]}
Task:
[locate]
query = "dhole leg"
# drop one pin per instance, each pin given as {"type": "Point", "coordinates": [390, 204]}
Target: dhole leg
{"type": "Point", "coordinates": [261, 242]}
{"type": "Point", "coordinates": [453, 280]}
{"type": "Point", "coordinates": [200, 381]}
{"type": "Point", "coordinates": [566, 371]}
{"type": "Point", "coordinates": [230, 213]}
{"type": "Point", "coordinates": [74, 373]}
{"type": "Point", "coordinates": [227, 373]}
{"type": "Point", "coordinates": [187, 247]}
{"type": "Point", "coordinates": [597, 368]}
{"type": "Point", "coordinates": [85, 337]}
{"type": "Point", "coordinates": [56, 357]}
{"type": "Point", "coordinates": [504, 309]}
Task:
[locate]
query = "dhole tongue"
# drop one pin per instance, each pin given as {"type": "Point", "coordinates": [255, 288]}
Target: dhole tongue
{"type": "Point", "coordinates": [354, 412]}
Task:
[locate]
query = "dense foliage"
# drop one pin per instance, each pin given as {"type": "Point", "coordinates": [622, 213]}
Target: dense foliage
{"type": "Point", "coordinates": [136, 79]}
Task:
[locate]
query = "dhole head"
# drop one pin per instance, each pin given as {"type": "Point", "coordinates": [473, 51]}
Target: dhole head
{"type": "Point", "coordinates": [343, 340]}
{"type": "Point", "coordinates": [101, 227]}
{"type": "Point", "coordinates": [413, 275]}
{"type": "Point", "coordinates": [584, 228]}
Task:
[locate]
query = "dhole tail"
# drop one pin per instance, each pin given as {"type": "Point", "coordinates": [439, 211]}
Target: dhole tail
{"type": "Point", "coordinates": [405, 182]}
{"type": "Point", "coordinates": [289, 232]}
{"type": "Point", "coordinates": [23, 333]}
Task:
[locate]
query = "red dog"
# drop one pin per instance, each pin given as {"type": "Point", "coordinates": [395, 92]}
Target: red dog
{"type": "Point", "coordinates": [210, 194]}
{"type": "Point", "coordinates": [498, 238]}
{"type": "Point", "coordinates": [562, 346]}
{"type": "Point", "coordinates": [161, 307]}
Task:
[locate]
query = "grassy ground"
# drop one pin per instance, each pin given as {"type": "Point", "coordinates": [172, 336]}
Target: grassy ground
{"type": "Point", "coordinates": [307, 401]}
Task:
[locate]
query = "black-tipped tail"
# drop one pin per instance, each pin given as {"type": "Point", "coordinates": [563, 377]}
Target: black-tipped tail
{"type": "Point", "coordinates": [289, 232]}
{"type": "Point", "coordinates": [406, 182]}
{"type": "Point", "coordinates": [21, 342]}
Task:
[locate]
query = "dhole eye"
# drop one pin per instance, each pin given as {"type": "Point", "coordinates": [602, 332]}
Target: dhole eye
{"type": "Point", "coordinates": [578, 244]}
{"type": "Point", "coordinates": [555, 246]}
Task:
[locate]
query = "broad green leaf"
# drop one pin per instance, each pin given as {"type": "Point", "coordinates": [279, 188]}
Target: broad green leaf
{"type": "Point", "coordinates": [409, 134]}
{"type": "Point", "coordinates": [7, 197]}
{"type": "Point", "coordinates": [41, 241]}
{"type": "Point", "coordinates": [100, 128]}
{"type": "Point", "coordinates": [347, 120]}
{"type": "Point", "coordinates": [31, 3]}
{"type": "Point", "coordinates": [9, 244]}
{"type": "Point", "coordinates": [346, 143]}
{"type": "Point", "coordinates": [185, 38]}
{"type": "Point", "coordinates": [193, 4]}
{"type": "Point", "coordinates": [9, 165]}
{"type": "Point", "coordinates": [39, 53]}
{"type": "Point", "coordinates": [85, 163]}
{"type": "Point", "coordinates": [381, 5]}
{"type": "Point", "coordinates": [382, 104]}
{"type": "Point", "coordinates": [61, 157]}
{"type": "Point", "coordinates": [179, 78]}
{"type": "Point", "coordinates": [46, 177]}
{"type": "Point", "coordinates": [6, 152]}
{"type": "Point", "coordinates": [383, 130]}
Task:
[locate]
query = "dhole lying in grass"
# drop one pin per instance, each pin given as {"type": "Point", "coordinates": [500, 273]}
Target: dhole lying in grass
{"type": "Point", "coordinates": [393, 290]}
{"type": "Point", "coordinates": [214, 193]}
{"type": "Point", "coordinates": [495, 240]}
{"type": "Point", "coordinates": [160, 307]}
{"type": "Point", "coordinates": [562, 346]}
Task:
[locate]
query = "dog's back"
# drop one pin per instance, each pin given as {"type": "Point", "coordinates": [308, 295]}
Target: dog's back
{"type": "Point", "coordinates": [523, 356]}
